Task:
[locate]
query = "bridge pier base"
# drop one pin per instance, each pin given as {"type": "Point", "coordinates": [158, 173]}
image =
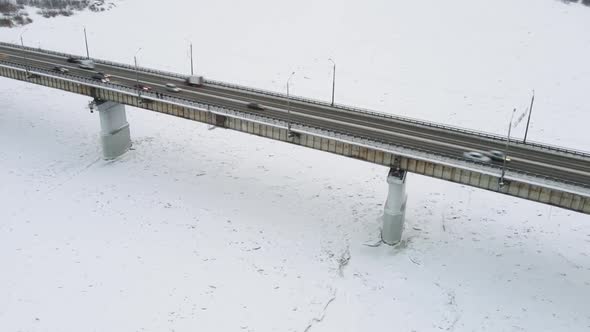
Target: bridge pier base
{"type": "Point", "coordinates": [114, 129]}
{"type": "Point", "coordinates": [395, 207]}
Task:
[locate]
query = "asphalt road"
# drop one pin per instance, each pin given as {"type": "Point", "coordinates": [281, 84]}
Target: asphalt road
{"type": "Point", "coordinates": [542, 162]}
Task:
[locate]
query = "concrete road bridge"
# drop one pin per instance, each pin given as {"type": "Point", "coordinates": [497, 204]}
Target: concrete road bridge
{"type": "Point", "coordinates": [547, 174]}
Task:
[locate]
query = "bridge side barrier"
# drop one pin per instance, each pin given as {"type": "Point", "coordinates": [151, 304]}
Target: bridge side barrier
{"type": "Point", "coordinates": [416, 153]}
{"type": "Point", "coordinates": [538, 145]}
{"type": "Point", "coordinates": [543, 146]}
{"type": "Point", "coordinates": [104, 62]}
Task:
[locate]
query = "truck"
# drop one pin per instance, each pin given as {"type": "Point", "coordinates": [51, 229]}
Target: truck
{"type": "Point", "coordinates": [194, 80]}
{"type": "Point", "coordinates": [86, 64]}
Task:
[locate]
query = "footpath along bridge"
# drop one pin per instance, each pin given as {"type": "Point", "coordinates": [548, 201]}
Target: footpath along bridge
{"type": "Point", "coordinates": [538, 172]}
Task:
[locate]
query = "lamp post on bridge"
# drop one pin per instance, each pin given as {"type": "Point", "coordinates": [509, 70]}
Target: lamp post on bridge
{"type": "Point", "coordinates": [137, 73]}
{"type": "Point", "coordinates": [86, 42]}
{"type": "Point", "coordinates": [333, 79]}
{"type": "Point", "coordinates": [529, 119]}
{"type": "Point", "coordinates": [289, 103]}
{"type": "Point", "coordinates": [22, 43]}
{"type": "Point", "coordinates": [192, 71]}
{"type": "Point", "coordinates": [506, 149]}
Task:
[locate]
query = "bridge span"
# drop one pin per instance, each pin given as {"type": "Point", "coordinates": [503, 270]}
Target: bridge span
{"type": "Point", "coordinates": [538, 172]}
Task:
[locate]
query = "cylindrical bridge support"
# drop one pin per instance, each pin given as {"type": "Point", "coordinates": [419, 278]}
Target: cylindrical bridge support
{"type": "Point", "coordinates": [395, 207]}
{"type": "Point", "coordinates": [114, 129]}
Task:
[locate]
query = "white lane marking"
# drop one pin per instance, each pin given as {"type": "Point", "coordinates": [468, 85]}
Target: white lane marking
{"type": "Point", "coordinates": [15, 48]}
{"type": "Point", "coordinates": [435, 142]}
{"type": "Point", "coordinates": [551, 166]}
{"type": "Point", "coordinates": [82, 57]}
{"type": "Point", "coordinates": [276, 109]}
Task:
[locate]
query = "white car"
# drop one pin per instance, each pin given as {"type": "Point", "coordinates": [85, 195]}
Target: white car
{"type": "Point", "coordinates": [476, 156]}
{"type": "Point", "coordinates": [86, 64]}
{"type": "Point", "coordinates": [172, 87]}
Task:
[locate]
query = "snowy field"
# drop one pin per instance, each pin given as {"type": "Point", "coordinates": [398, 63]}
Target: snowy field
{"type": "Point", "coordinates": [212, 230]}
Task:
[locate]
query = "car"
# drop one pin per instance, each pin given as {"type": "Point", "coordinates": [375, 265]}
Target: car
{"type": "Point", "coordinates": [496, 155]}
{"type": "Point", "coordinates": [255, 106]}
{"type": "Point", "coordinates": [86, 64]}
{"type": "Point", "coordinates": [143, 87]}
{"type": "Point", "coordinates": [60, 69]}
{"type": "Point", "coordinates": [100, 77]}
{"type": "Point", "coordinates": [73, 60]}
{"type": "Point", "coordinates": [172, 87]}
{"type": "Point", "coordinates": [476, 156]}
{"type": "Point", "coordinates": [195, 80]}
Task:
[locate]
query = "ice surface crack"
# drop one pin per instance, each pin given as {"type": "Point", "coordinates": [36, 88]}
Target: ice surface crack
{"type": "Point", "coordinates": [316, 320]}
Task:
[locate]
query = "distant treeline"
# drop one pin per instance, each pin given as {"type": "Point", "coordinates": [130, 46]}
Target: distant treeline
{"type": "Point", "coordinates": [56, 4]}
{"type": "Point", "coordinates": [584, 2]}
{"type": "Point", "coordinates": [13, 12]}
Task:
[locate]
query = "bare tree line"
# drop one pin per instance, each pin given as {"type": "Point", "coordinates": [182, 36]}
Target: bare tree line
{"type": "Point", "coordinates": [13, 13]}
{"type": "Point", "coordinates": [56, 4]}
{"type": "Point", "coordinates": [584, 2]}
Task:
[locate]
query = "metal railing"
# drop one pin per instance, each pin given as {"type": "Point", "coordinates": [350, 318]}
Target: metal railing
{"type": "Point", "coordinates": [418, 122]}
{"type": "Point", "coordinates": [414, 121]}
{"type": "Point", "coordinates": [414, 153]}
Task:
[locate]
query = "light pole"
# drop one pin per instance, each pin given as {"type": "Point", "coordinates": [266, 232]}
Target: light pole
{"type": "Point", "coordinates": [22, 43]}
{"type": "Point", "coordinates": [529, 120]}
{"type": "Point", "coordinates": [289, 104]}
{"type": "Point", "coordinates": [86, 41]}
{"type": "Point", "coordinates": [137, 73]}
{"type": "Point", "coordinates": [192, 71]}
{"type": "Point", "coordinates": [333, 80]}
{"type": "Point", "coordinates": [506, 149]}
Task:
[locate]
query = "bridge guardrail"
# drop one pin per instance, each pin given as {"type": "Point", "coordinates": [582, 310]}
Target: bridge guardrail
{"type": "Point", "coordinates": [538, 145]}
{"type": "Point", "coordinates": [491, 136]}
{"type": "Point", "coordinates": [141, 69]}
{"type": "Point", "coordinates": [274, 121]}
{"type": "Point", "coordinates": [104, 62]}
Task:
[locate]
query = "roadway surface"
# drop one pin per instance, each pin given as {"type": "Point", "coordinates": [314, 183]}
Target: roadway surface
{"type": "Point", "coordinates": [555, 165]}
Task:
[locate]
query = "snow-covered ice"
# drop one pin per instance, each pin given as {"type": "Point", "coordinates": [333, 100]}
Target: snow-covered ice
{"type": "Point", "coordinates": [213, 230]}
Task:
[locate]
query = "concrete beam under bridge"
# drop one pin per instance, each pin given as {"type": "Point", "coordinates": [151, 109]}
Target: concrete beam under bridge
{"type": "Point", "coordinates": [115, 136]}
{"type": "Point", "coordinates": [395, 207]}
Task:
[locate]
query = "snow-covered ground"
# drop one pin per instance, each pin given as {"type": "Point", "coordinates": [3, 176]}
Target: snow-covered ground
{"type": "Point", "coordinates": [212, 230]}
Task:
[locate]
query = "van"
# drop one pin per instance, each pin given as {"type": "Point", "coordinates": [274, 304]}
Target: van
{"type": "Point", "coordinates": [194, 80]}
{"type": "Point", "coordinates": [86, 64]}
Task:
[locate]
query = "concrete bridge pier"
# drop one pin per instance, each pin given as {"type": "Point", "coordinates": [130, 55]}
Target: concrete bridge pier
{"type": "Point", "coordinates": [395, 207]}
{"type": "Point", "coordinates": [114, 129]}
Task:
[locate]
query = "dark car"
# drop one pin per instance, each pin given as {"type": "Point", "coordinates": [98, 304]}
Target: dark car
{"type": "Point", "coordinates": [143, 87]}
{"type": "Point", "coordinates": [255, 106]}
{"type": "Point", "coordinates": [496, 155]}
{"type": "Point", "coordinates": [101, 77]}
{"type": "Point", "coordinates": [73, 60]}
{"type": "Point", "coordinates": [62, 70]}
{"type": "Point", "coordinates": [104, 74]}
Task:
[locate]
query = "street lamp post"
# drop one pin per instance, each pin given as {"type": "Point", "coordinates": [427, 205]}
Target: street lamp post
{"type": "Point", "coordinates": [86, 42]}
{"type": "Point", "coordinates": [333, 80]}
{"type": "Point", "coordinates": [192, 71]}
{"type": "Point", "coordinates": [506, 149]}
{"type": "Point", "coordinates": [529, 119]}
{"type": "Point", "coordinates": [289, 104]}
{"type": "Point", "coordinates": [137, 73]}
{"type": "Point", "coordinates": [22, 43]}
